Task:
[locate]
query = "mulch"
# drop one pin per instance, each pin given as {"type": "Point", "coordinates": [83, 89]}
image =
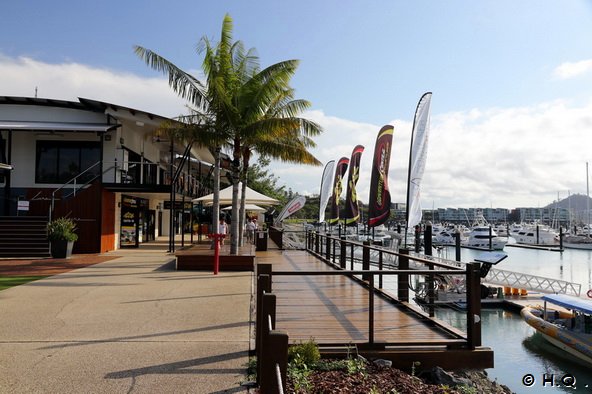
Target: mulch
{"type": "Point", "coordinates": [48, 266]}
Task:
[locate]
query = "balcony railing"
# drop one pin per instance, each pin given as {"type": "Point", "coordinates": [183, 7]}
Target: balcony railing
{"type": "Point", "coordinates": [150, 174]}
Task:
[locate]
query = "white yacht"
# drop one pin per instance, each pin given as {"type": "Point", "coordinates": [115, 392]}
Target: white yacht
{"type": "Point", "coordinates": [482, 235]}
{"type": "Point", "coordinates": [536, 235]}
{"type": "Point", "coordinates": [577, 242]}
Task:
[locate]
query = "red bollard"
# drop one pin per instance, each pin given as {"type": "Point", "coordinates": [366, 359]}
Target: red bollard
{"type": "Point", "coordinates": [217, 238]}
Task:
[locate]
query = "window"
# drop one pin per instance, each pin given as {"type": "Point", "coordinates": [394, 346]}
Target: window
{"type": "Point", "coordinates": [60, 161]}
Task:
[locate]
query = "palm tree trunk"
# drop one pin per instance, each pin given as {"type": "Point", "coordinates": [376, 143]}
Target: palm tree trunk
{"type": "Point", "coordinates": [216, 202]}
{"type": "Point", "coordinates": [235, 219]}
{"type": "Point", "coordinates": [242, 211]}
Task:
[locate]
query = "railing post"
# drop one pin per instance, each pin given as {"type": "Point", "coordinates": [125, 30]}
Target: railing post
{"type": "Point", "coordinates": [380, 269]}
{"type": "Point", "coordinates": [277, 344]}
{"type": "Point", "coordinates": [263, 286]}
{"type": "Point", "coordinates": [328, 248]}
{"type": "Point", "coordinates": [351, 253]}
{"type": "Point", "coordinates": [366, 259]}
{"type": "Point", "coordinates": [403, 279]}
{"type": "Point", "coordinates": [343, 252]}
{"type": "Point", "coordinates": [473, 282]}
{"type": "Point", "coordinates": [371, 310]}
{"type": "Point", "coordinates": [317, 240]}
{"type": "Point", "coordinates": [427, 239]}
{"type": "Point", "coordinates": [431, 291]}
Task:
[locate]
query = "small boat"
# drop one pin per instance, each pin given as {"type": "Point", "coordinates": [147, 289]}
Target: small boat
{"type": "Point", "coordinates": [569, 331]}
{"type": "Point", "coordinates": [578, 242]}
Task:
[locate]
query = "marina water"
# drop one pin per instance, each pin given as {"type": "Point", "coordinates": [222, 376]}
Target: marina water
{"type": "Point", "coordinates": [523, 359]}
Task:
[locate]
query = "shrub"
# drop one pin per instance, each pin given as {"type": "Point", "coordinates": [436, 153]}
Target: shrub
{"type": "Point", "coordinates": [62, 229]}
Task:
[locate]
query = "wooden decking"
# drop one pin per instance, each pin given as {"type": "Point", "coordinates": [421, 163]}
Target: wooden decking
{"type": "Point", "coordinates": [334, 311]}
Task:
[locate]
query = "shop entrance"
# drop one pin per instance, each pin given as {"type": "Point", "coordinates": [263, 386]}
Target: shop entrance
{"type": "Point", "coordinates": [137, 222]}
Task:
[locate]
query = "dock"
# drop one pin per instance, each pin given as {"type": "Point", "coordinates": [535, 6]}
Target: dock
{"type": "Point", "coordinates": [344, 317]}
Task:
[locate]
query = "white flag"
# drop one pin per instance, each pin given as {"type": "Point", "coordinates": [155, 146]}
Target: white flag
{"type": "Point", "coordinates": [293, 206]}
{"type": "Point", "coordinates": [326, 189]}
{"type": "Point", "coordinates": [417, 158]}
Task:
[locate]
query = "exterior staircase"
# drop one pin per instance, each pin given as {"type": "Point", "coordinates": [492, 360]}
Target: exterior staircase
{"type": "Point", "coordinates": [23, 236]}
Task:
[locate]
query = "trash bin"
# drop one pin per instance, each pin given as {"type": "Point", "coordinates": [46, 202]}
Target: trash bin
{"type": "Point", "coordinates": [261, 240]}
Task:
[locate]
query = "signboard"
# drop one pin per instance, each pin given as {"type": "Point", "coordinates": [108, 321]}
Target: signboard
{"type": "Point", "coordinates": [179, 205]}
{"type": "Point", "coordinates": [22, 205]}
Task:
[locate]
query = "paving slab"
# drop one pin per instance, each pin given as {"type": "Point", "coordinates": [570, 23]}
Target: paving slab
{"type": "Point", "coordinates": [132, 324]}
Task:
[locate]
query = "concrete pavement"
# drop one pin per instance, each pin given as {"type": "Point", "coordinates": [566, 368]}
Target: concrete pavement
{"type": "Point", "coordinates": [130, 325]}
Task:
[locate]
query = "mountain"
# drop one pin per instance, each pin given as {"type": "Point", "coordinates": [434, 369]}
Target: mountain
{"type": "Point", "coordinates": [575, 202]}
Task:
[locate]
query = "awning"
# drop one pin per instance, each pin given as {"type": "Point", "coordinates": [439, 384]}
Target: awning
{"type": "Point", "coordinates": [252, 197]}
{"type": "Point", "coordinates": [248, 208]}
{"type": "Point", "coordinates": [574, 303]}
{"type": "Point", "coordinates": [56, 126]}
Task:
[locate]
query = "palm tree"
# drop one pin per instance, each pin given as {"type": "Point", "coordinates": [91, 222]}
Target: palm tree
{"type": "Point", "coordinates": [243, 106]}
{"type": "Point", "coordinates": [207, 123]}
{"type": "Point", "coordinates": [279, 134]}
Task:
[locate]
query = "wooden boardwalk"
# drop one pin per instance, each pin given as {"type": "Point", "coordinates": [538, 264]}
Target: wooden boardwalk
{"type": "Point", "coordinates": [334, 311]}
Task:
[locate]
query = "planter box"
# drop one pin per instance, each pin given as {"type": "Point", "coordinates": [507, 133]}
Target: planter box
{"type": "Point", "coordinates": [61, 249]}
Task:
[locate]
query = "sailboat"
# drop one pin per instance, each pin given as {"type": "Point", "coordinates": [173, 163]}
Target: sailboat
{"type": "Point", "coordinates": [583, 241]}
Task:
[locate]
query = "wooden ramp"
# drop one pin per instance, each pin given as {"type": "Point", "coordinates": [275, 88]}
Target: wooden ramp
{"type": "Point", "coordinates": [334, 311]}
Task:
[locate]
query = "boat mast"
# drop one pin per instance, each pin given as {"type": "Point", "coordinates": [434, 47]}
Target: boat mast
{"type": "Point", "coordinates": [587, 199]}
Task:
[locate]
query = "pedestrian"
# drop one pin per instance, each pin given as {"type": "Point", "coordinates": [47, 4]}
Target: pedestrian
{"type": "Point", "coordinates": [250, 230]}
{"type": "Point", "coordinates": [222, 229]}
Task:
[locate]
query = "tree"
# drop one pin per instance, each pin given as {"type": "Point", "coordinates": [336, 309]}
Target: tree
{"type": "Point", "coordinates": [243, 107]}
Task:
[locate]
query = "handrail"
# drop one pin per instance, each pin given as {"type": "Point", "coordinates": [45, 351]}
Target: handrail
{"type": "Point", "coordinates": [52, 204]}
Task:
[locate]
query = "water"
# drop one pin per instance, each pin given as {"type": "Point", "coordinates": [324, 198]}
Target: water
{"type": "Point", "coordinates": [518, 350]}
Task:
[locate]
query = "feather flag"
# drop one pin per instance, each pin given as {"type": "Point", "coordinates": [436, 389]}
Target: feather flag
{"type": "Point", "coordinates": [294, 205]}
{"type": "Point", "coordinates": [380, 197]}
{"type": "Point", "coordinates": [417, 158]}
{"type": "Point", "coordinates": [352, 209]}
{"type": "Point", "coordinates": [325, 192]}
{"type": "Point", "coordinates": [337, 189]}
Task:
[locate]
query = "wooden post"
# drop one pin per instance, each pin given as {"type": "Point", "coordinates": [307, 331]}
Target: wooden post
{"type": "Point", "coordinates": [457, 244]}
{"type": "Point", "coordinates": [276, 344]}
{"type": "Point", "coordinates": [403, 279]}
{"type": "Point", "coordinates": [427, 239]}
{"type": "Point", "coordinates": [473, 282]}
{"type": "Point", "coordinates": [343, 252]}
{"type": "Point", "coordinates": [366, 259]}
{"type": "Point", "coordinates": [263, 286]}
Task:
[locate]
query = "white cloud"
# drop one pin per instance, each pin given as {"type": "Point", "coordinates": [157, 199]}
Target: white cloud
{"type": "Point", "coordinates": [67, 81]}
{"type": "Point", "coordinates": [572, 69]}
{"type": "Point", "coordinates": [500, 157]}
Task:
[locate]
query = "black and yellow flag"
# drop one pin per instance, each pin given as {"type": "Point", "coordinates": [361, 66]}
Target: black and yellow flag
{"type": "Point", "coordinates": [352, 209]}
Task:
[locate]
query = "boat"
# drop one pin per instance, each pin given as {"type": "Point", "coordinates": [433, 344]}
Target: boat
{"type": "Point", "coordinates": [536, 234]}
{"type": "Point", "coordinates": [578, 242]}
{"type": "Point", "coordinates": [569, 331]}
{"type": "Point", "coordinates": [483, 236]}
{"type": "Point", "coordinates": [447, 237]}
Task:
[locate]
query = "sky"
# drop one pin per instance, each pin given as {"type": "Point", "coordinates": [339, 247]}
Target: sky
{"type": "Point", "coordinates": [511, 113]}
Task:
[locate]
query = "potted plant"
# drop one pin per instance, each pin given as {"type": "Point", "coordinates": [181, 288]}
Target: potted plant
{"type": "Point", "coordinates": [61, 235]}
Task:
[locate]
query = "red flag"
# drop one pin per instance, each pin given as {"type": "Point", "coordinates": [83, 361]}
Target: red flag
{"type": "Point", "coordinates": [380, 198]}
{"type": "Point", "coordinates": [340, 170]}
{"type": "Point", "coordinates": [352, 209]}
